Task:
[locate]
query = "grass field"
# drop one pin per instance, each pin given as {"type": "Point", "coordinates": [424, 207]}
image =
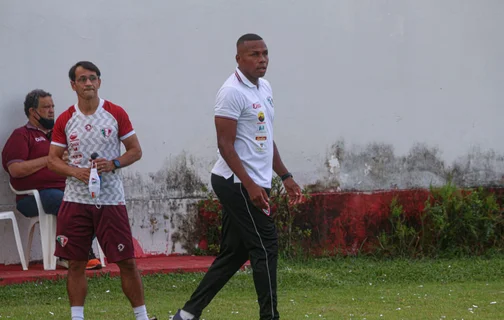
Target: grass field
{"type": "Point", "coordinates": [345, 288]}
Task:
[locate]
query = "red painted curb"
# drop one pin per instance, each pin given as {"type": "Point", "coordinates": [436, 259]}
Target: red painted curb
{"type": "Point", "coordinates": [13, 274]}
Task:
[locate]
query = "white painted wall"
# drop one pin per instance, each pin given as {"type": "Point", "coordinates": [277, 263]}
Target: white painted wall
{"type": "Point", "coordinates": [396, 72]}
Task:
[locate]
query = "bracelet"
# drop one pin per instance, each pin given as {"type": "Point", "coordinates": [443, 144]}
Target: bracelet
{"type": "Point", "coordinates": [286, 176]}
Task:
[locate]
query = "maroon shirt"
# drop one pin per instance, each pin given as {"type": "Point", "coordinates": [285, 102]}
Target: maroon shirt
{"type": "Point", "coordinates": [27, 143]}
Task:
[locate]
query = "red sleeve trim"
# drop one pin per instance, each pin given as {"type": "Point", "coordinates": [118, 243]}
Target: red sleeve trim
{"type": "Point", "coordinates": [226, 117]}
{"type": "Point", "coordinates": [125, 127]}
{"type": "Point", "coordinates": [59, 135]}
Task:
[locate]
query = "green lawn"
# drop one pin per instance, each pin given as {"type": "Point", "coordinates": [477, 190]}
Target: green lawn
{"type": "Point", "coordinates": [351, 288]}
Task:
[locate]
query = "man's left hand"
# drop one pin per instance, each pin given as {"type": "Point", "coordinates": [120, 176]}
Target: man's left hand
{"type": "Point", "coordinates": [294, 191]}
{"type": "Point", "coordinates": [104, 165]}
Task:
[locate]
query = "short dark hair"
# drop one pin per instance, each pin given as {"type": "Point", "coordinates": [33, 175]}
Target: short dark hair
{"type": "Point", "coordinates": [32, 99]}
{"type": "Point", "coordinates": [88, 65]}
{"type": "Point", "coordinates": [248, 37]}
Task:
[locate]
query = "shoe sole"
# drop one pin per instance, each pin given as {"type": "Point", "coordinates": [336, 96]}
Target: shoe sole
{"type": "Point", "coordinates": [94, 268]}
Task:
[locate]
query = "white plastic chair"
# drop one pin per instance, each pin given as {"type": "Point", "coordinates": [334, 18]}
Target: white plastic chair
{"type": "Point", "coordinates": [10, 215]}
{"type": "Point", "coordinates": [101, 255]}
{"type": "Point", "coordinates": [47, 224]}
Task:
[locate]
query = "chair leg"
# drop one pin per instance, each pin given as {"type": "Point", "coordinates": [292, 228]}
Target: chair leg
{"type": "Point", "coordinates": [102, 255]}
{"type": "Point", "coordinates": [48, 241]}
{"type": "Point", "coordinates": [30, 240]}
{"type": "Point", "coordinates": [19, 244]}
{"type": "Point", "coordinates": [51, 246]}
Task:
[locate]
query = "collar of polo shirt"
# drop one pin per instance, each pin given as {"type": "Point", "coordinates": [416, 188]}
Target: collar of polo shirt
{"type": "Point", "coordinates": [241, 77]}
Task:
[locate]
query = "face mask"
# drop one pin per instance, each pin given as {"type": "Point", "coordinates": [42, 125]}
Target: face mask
{"type": "Point", "coordinates": [46, 123]}
{"type": "Point", "coordinates": [94, 184]}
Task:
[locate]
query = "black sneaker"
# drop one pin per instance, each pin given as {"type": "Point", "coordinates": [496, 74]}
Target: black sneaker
{"type": "Point", "coordinates": [178, 317]}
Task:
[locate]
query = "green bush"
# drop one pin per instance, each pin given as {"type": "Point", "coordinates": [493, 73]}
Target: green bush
{"type": "Point", "coordinates": [293, 239]}
{"type": "Point", "coordinates": [454, 222]}
{"type": "Point", "coordinates": [462, 222]}
{"type": "Point", "coordinates": [402, 237]}
{"type": "Point", "coordinates": [209, 226]}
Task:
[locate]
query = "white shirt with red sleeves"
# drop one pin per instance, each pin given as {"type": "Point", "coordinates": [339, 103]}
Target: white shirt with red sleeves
{"type": "Point", "coordinates": [101, 132]}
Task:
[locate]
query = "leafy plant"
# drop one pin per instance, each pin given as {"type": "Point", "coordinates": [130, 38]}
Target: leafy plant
{"type": "Point", "coordinates": [452, 222]}
{"type": "Point", "coordinates": [402, 235]}
{"type": "Point", "coordinates": [209, 225]}
{"type": "Point", "coordinates": [462, 222]}
{"type": "Point", "coordinates": [292, 238]}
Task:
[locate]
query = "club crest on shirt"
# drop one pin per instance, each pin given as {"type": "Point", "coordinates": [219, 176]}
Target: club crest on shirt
{"type": "Point", "coordinates": [62, 240]}
{"type": "Point", "coordinates": [270, 100]}
{"type": "Point", "coordinates": [260, 116]}
{"type": "Point", "coordinates": [106, 132]}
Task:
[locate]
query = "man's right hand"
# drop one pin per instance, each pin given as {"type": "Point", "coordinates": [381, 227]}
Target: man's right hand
{"type": "Point", "coordinates": [258, 196]}
{"type": "Point", "coordinates": [65, 156]}
{"type": "Point", "coordinates": [82, 174]}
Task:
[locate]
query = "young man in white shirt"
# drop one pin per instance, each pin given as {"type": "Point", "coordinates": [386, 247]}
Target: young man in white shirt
{"type": "Point", "coordinates": [241, 178]}
{"type": "Point", "coordinates": [93, 130]}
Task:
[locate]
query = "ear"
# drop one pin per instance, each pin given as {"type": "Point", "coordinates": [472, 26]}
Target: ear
{"type": "Point", "coordinates": [72, 84]}
{"type": "Point", "coordinates": [237, 57]}
{"type": "Point", "coordinates": [33, 112]}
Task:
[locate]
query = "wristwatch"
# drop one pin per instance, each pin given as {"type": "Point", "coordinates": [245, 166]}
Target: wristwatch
{"type": "Point", "coordinates": [286, 176]}
{"type": "Point", "coordinates": [116, 163]}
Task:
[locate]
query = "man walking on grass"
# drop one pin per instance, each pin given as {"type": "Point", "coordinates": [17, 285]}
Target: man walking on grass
{"type": "Point", "coordinates": [241, 179]}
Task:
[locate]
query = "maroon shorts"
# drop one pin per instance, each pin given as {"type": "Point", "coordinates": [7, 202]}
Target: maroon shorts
{"type": "Point", "coordinates": [77, 223]}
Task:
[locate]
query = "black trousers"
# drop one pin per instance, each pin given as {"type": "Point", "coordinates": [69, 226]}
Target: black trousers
{"type": "Point", "coordinates": [247, 233]}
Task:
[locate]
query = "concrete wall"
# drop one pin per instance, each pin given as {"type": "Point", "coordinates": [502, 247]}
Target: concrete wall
{"type": "Point", "coordinates": [369, 94]}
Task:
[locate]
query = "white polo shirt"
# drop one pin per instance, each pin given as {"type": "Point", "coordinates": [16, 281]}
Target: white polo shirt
{"type": "Point", "coordinates": [252, 107]}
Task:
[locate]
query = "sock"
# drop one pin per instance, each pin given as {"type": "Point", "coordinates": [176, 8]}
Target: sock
{"type": "Point", "coordinates": [141, 313]}
{"type": "Point", "coordinates": [186, 315]}
{"type": "Point", "coordinates": [77, 313]}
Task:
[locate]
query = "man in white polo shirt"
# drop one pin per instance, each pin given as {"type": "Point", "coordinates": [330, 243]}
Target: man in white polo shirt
{"type": "Point", "coordinates": [241, 179]}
